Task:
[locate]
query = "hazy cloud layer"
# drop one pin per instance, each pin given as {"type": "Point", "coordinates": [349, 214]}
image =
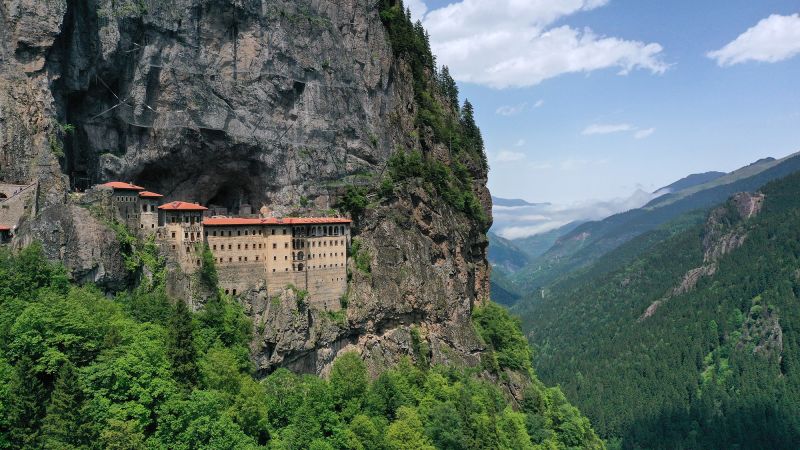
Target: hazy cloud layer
{"type": "Point", "coordinates": [514, 222]}
{"type": "Point", "coordinates": [610, 128]}
{"type": "Point", "coordinates": [597, 128]}
{"type": "Point", "coordinates": [642, 134]}
{"type": "Point", "coordinates": [510, 43]}
{"type": "Point", "coordinates": [773, 39]}
{"type": "Point", "coordinates": [505, 156]}
{"type": "Point", "coordinates": [511, 110]}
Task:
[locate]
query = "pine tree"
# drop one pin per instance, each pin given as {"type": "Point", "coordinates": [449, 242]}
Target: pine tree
{"type": "Point", "coordinates": [61, 425]}
{"type": "Point", "coordinates": [26, 409]}
{"type": "Point", "coordinates": [472, 133]}
{"type": "Point", "coordinates": [180, 346]}
{"type": "Point", "coordinates": [449, 88]}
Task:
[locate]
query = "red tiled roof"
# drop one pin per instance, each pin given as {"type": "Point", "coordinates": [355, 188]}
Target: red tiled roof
{"type": "Point", "coordinates": [4, 228]}
{"type": "Point", "coordinates": [241, 221]}
{"type": "Point", "coordinates": [148, 194]}
{"type": "Point", "coordinates": [122, 186]}
{"type": "Point", "coordinates": [182, 206]}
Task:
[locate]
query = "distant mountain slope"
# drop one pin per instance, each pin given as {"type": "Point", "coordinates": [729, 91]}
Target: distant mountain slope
{"type": "Point", "coordinates": [505, 254]}
{"type": "Point", "coordinates": [536, 245]}
{"type": "Point", "coordinates": [692, 180]}
{"type": "Point", "coordinates": [693, 343]}
{"type": "Point", "coordinates": [502, 289]}
{"type": "Point", "coordinates": [589, 241]}
{"type": "Point", "coordinates": [498, 201]}
{"type": "Point", "coordinates": [508, 256]}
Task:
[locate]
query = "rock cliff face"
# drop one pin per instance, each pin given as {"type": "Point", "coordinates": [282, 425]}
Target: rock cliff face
{"type": "Point", "coordinates": [275, 103]}
{"type": "Point", "coordinates": [722, 234]}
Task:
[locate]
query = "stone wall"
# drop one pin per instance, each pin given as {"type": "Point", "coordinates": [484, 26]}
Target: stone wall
{"type": "Point", "coordinates": [19, 199]}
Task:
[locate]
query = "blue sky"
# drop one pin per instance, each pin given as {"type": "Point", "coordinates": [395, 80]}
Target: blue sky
{"type": "Point", "coordinates": [562, 124]}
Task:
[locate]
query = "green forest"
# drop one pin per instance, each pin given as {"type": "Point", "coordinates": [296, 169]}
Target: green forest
{"type": "Point", "coordinates": [80, 369]}
{"type": "Point", "coordinates": [714, 367]}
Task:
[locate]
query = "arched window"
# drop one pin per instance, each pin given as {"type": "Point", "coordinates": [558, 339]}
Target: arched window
{"type": "Point", "coordinates": [300, 267]}
{"type": "Point", "coordinates": [300, 257]}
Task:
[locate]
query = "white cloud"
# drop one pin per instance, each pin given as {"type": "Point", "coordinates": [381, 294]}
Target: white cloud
{"type": "Point", "coordinates": [608, 128]}
{"type": "Point", "coordinates": [773, 39]}
{"type": "Point", "coordinates": [527, 221]}
{"type": "Point", "coordinates": [642, 134]}
{"type": "Point", "coordinates": [530, 230]}
{"type": "Point", "coordinates": [507, 156]}
{"type": "Point", "coordinates": [509, 110]}
{"type": "Point", "coordinates": [417, 7]}
{"type": "Point", "coordinates": [538, 104]}
{"type": "Point", "coordinates": [540, 165]}
{"type": "Point", "coordinates": [520, 143]}
{"type": "Point", "coordinates": [509, 43]}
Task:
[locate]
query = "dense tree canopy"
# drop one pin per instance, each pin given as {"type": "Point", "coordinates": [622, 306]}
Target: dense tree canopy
{"type": "Point", "coordinates": [81, 370]}
{"type": "Point", "coordinates": [715, 367]}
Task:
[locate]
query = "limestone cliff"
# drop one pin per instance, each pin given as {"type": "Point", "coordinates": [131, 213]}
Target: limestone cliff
{"type": "Point", "coordinates": [272, 103]}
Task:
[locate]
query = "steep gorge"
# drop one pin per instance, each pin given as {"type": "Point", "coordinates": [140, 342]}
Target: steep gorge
{"type": "Point", "coordinates": [277, 104]}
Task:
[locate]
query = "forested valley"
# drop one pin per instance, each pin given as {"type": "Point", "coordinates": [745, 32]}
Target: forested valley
{"type": "Point", "coordinates": [659, 355]}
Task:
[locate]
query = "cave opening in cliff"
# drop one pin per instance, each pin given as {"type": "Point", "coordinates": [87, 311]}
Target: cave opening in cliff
{"type": "Point", "coordinates": [77, 94]}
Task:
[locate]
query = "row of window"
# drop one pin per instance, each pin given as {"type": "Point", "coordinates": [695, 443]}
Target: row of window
{"type": "Point", "coordinates": [186, 219]}
{"type": "Point", "coordinates": [328, 230]}
{"type": "Point", "coordinates": [246, 246]}
{"type": "Point", "coordinates": [152, 208]}
{"type": "Point", "coordinates": [126, 199]}
{"type": "Point", "coordinates": [230, 259]}
{"type": "Point", "coordinates": [301, 243]}
{"type": "Point", "coordinates": [239, 232]}
{"type": "Point", "coordinates": [300, 255]}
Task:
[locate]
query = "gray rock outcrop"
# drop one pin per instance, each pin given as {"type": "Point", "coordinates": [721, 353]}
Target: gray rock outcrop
{"type": "Point", "coordinates": [272, 103]}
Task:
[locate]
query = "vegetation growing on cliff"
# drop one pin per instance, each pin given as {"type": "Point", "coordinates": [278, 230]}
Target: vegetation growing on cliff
{"type": "Point", "coordinates": [439, 121]}
{"type": "Point", "coordinates": [81, 370]}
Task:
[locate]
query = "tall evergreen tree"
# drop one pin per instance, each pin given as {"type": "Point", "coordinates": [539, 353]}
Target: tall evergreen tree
{"type": "Point", "coordinates": [180, 345]}
{"type": "Point", "coordinates": [449, 87]}
{"type": "Point", "coordinates": [472, 134]}
{"type": "Point", "coordinates": [61, 425]}
{"type": "Point", "coordinates": [26, 409]}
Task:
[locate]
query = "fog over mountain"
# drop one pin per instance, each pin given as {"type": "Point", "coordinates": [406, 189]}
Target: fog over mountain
{"type": "Point", "coordinates": [523, 220]}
